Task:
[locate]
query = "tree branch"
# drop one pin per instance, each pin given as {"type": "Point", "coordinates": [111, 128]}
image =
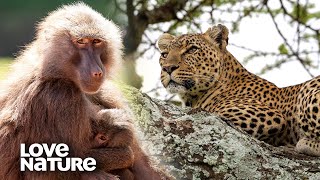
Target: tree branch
{"type": "Point", "coordinates": [198, 145]}
{"type": "Point", "coordinates": [164, 13]}
{"type": "Point", "coordinates": [137, 24]}
{"type": "Point", "coordinates": [297, 19]}
{"type": "Point", "coordinates": [296, 54]}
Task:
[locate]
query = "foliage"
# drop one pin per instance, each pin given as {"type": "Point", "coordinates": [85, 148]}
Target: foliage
{"type": "Point", "coordinates": [18, 19]}
{"type": "Point", "coordinates": [296, 23]}
{"type": "Point", "coordinates": [145, 20]}
{"type": "Point", "coordinates": [301, 16]}
{"type": "Point", "coordinates": [4, 67]}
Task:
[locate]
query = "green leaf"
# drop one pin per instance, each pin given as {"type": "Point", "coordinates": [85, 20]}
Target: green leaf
{"type": "Point", "coordinates": [308, 62]}
{"type": "Point", "coordinates": [235, 27]}
{"type": "Point", "coordinates": [301, 12]}
{"type": "Point", "coordinates": [282, 49]}
{"type": "Point", "coordinates": [314, 15]}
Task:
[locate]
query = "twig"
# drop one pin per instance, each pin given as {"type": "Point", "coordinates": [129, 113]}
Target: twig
{"type": "Point", "coordinates": [254, 51]}
{"type": "Point", "coordinates": [296, 18]}
{"type": "Point", "coordinates": [286, 41]}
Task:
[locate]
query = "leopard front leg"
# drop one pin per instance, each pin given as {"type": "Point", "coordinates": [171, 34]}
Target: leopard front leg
{"type": "Point", "coordinates": [309, 123]}
{"type": "Point", "coordinates": [259, 120]}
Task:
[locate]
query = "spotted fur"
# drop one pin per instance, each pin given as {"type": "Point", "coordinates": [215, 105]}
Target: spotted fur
{"type": "Point", "coordinates": [204, 73]}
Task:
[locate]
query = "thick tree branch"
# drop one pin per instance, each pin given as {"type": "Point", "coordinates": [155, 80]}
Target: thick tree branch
{"type": "Point", "coordinates": [164, 13]}
{"type": "Point", "coordinates": [199, 145]}
{"type": "Point", "coordinates": [139, 21]}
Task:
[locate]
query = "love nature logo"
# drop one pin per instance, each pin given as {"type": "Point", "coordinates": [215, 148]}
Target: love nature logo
{"type": "Point", "coordinates": [44, 157]}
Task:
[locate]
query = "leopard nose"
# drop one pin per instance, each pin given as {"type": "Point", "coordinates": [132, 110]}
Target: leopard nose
{"type": "Point", "coordinates": [170, 69]}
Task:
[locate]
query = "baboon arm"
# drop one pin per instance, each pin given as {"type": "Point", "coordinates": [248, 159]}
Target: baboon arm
{"type": "Point", "coordinates": [110, 159]}
{"type": "Point", "coordinates": [143, 167]}
{"type": "Point", "coordinates": [108, 97]}
{"type": "Point", "coordinates": [98, 175]}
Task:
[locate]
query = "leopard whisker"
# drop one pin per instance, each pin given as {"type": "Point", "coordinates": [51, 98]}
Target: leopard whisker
{"type": "Point", "coordinates": [206, 77]}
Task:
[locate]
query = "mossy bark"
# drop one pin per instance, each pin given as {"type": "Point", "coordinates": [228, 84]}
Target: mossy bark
{"type": "Point", "coordinates": [198, 145]}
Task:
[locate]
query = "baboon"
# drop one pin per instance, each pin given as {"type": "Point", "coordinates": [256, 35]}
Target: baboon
{"type": "Point", "coordinates": [57, 94]}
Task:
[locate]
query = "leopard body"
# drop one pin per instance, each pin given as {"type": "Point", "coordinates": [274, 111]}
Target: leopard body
{"type": "Point", "coordinates": [207, 76]}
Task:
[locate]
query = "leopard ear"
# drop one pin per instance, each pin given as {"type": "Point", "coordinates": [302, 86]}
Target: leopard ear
{"type": "Point", "coordinates": [164, 41]}
{"type": "Point", "coordinates": [218, 35]}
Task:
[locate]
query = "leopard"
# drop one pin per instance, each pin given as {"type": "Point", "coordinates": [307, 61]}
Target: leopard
{"type": "Point", "coordinates": [206, 76]}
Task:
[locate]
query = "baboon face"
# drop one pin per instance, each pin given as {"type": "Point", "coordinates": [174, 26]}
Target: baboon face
{"type": "Point", "coordinates": [79, 45]}
{"type": "Point", "coordinates": [81, 60]}
{"type": "Point", "coordinates": [88, 62]}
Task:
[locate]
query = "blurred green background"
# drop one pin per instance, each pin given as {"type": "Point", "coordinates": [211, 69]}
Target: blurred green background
{"type": "Point", "coordinates": [18, 18]}
{"type": "Point", "coordinates": [4, 67]}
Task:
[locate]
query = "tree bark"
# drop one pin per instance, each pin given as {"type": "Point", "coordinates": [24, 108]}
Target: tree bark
{"type": "Point", "coordinates": [197, 145]}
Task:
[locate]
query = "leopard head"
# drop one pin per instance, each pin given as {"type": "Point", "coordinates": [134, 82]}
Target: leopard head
{"type": "Point", "coordinates": [191, 63]}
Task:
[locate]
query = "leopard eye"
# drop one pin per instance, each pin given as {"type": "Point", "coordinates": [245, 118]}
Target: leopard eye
{"type": "Point", "coordinates": [164, 54]}
{"type": "Point", "coordinates": [192, 50]}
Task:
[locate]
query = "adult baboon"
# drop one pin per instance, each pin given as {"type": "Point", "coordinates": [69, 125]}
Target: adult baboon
{"type": "Point", "coordinates": [52, 98]}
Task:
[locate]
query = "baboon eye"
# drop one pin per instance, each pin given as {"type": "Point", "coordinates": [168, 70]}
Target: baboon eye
{"type": "Point", "coordinates": [192, 49]}
{"type": "Point", "coordinates": [81, 41]}
{"type": "Point", "coordinates": [96, 41]}
{"type": "Point", "coordinates": [164, 54]}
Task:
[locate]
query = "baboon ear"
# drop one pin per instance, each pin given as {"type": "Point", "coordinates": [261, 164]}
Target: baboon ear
{"type": "Point", "coordinates": [218, 35]}
{"type": "Point", "coordinates": [164, 41]}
